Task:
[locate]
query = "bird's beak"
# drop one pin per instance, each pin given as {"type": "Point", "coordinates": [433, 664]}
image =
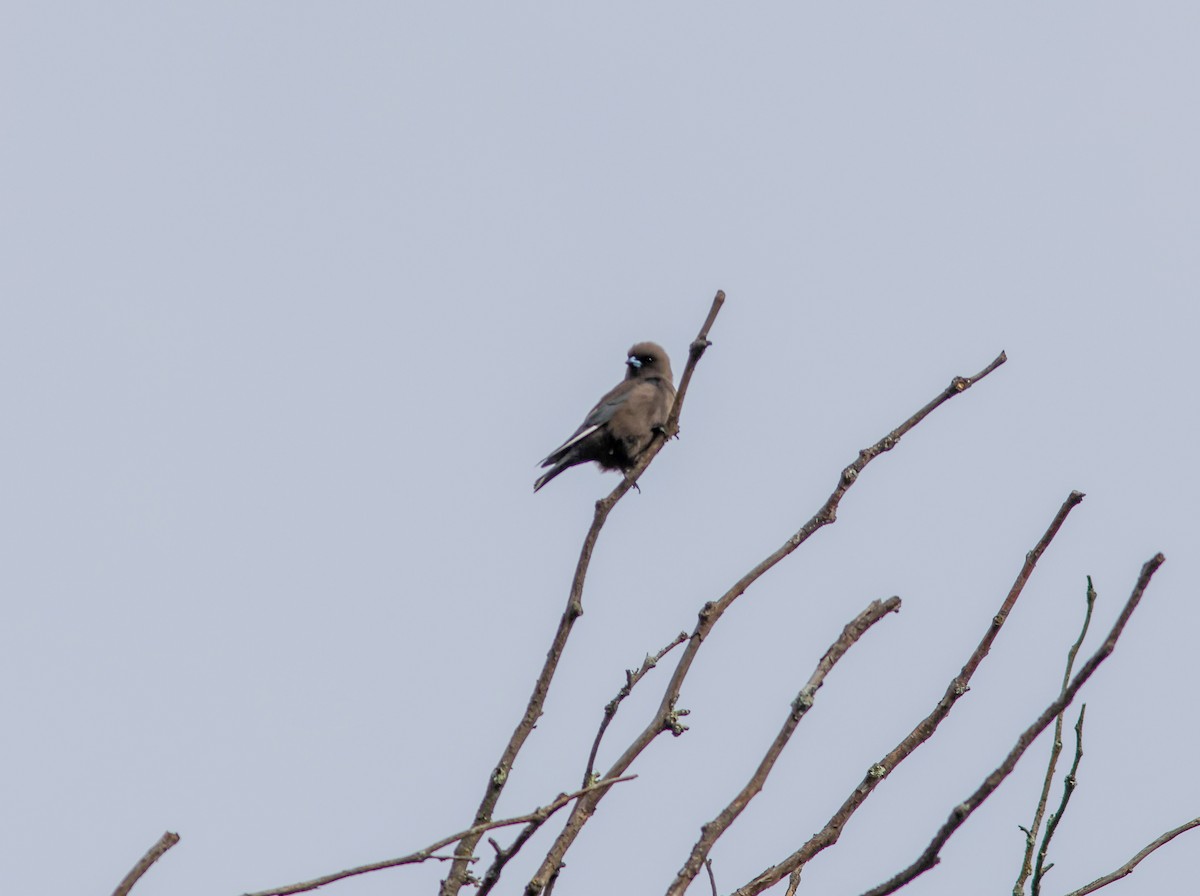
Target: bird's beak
{"type": "Point", "coordinates": [634, 363]}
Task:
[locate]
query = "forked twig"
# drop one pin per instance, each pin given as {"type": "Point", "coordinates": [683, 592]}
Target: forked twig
{"type": "Point", "coordinates": [1039, 871]}
{"type": "Point", "coordinates": [632, 677]}
{"type": "Point", "coordinates": [1055, 749]}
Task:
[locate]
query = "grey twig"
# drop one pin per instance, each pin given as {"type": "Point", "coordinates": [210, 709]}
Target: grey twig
{"type": "Point", "coordinates": [1040, 869]}
{"type": "Point", "coordinates": [153, 854]}
{"type": "Point", "coordinates": [667, 716]}
{"type": "Point", "coordinates": [457, 877]}
{"type": "Point", "coordinates": [1031, 832]}
{"type": "Point", "coordinates": [424, 855]}
{"type": "Point", "coordinates": [963, 810]}
{"type": "Point", "coordinates": [711, 832]}
{"type": "Point", "coordinates": [1128, 867]}
{"type": "Point", "coordinates": [829, 835]}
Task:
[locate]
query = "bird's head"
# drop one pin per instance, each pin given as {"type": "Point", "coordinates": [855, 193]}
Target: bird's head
{"type": "Point", "coordinates": [647, 359]}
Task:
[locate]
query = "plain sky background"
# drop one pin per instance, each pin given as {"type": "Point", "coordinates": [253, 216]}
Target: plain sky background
{"type": "Point", "coordinates": [294, 295]}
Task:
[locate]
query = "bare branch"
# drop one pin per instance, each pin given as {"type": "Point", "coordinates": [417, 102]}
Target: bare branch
{"type": "Point", "coordinates": [424, 855]}
{"type": "Point", "coordinates": [1128, 867]}
{"type": "Point", "coordinates": [712, 880]}
{"type": "Point", "coordinates": [1039, 871]}
{"type": "Point", "coordinates": [1055, 749]}
{"type": "Point", "coordinates": [667, 717]}
{"type": "Point", "coordinates": [711, 832]}
{"type": "Point", "coordinates": [457, 877]}
{"type": "Point", "coordinates": [958, 686]}
{"type": "Point", "coordinates": [963, 810]}
{"type": "Point", "coordinates": [153, 854]}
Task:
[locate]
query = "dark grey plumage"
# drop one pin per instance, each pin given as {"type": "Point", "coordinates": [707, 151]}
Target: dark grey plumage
{"type": "Point", "coordinates": [623, 422]}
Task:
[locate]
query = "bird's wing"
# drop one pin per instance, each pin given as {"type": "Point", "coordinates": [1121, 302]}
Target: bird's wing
{"type": "Point", "coordinates": [597, 417]}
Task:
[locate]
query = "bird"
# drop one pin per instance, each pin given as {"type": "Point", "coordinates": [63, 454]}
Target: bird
{"type": "Point", "coordinates": [623, 422]}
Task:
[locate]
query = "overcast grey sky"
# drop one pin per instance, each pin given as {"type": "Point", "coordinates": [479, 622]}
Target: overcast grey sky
{"type": "Point", "coordinates": [295, 295]}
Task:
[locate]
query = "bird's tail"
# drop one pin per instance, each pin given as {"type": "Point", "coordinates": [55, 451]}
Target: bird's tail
{"type": "Point", "coordinates": [546, 477]}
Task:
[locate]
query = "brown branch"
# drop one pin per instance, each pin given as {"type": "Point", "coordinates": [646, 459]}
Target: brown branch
{"type": "Point", "coordinates": [712, 880]}
{"type": "Point", "coordinates": [1055, 749]}
{"type": "Point", "coordinates": [424, 855]}
{"type": "Point", "coordinates": [1128, 867]}
{"type": "Point", "coordinates": [711, 832]}
{"type": "Point", "coordinates": [958, 686]}
{"type": "Point", "coordinates": [153, 854]}
{"type": "Point", "coordinates": [503, 856]}
{"type": "Point", "coordinates": [963, 810]}
{"type": "Point", "coordinates": [1039, 871]}
{"type": "Point", "coordinates": [457, 877]}
{"type": "Point", "coordinates": [667, 717]}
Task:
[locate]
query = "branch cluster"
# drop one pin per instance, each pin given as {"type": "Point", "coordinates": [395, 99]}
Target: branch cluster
{"type": "Point", "coordinates": [595, 786]}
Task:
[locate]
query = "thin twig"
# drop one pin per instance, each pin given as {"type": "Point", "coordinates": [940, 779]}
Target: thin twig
{"type": "Point", "coordinates": [1055, 749]}
{"type": "Point", "coordinates": [631, 679]}
{"type": "Point", "coordinates": [503, 856]}
{"type": "Point", "coordinates": [667, 717]}
{"type": "Point", "coordinates": [963, 810]}
{"type": "Point", "coordinates": [457, 877]}
{"type": "Point", "coordinates": [1039, 871]}
{"type": "Point", "coordinates": [794, 882]}
{"type": "Point", "coordinates": [711, 832]}
{"type": "Point", "coordinates": [153, 854]}
{"type": "Point", "coordinates": [712, 880]}
{"type": "Point", "coordinates": [958, 686]}
{"type": "Point", "coordinates": [1128, 867]}
{"type": "Point", "coordinates": [424, 855]}
{"type": "Point", "coordinates": [492, 876]}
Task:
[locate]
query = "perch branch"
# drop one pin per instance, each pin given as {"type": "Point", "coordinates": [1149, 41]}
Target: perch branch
{"type": "Point", "coordinates": [963, 810]}
{"type": "Point", "coordinates": [153, 854]}
{"type": "Point", "coordinates": [711, 832]}
{"type": "Point", "coordinates": [457, 877]}
{"type": "Point", "coordinates": [667, 717]}
{"type": "Point", "coordinates": [958, 686]}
